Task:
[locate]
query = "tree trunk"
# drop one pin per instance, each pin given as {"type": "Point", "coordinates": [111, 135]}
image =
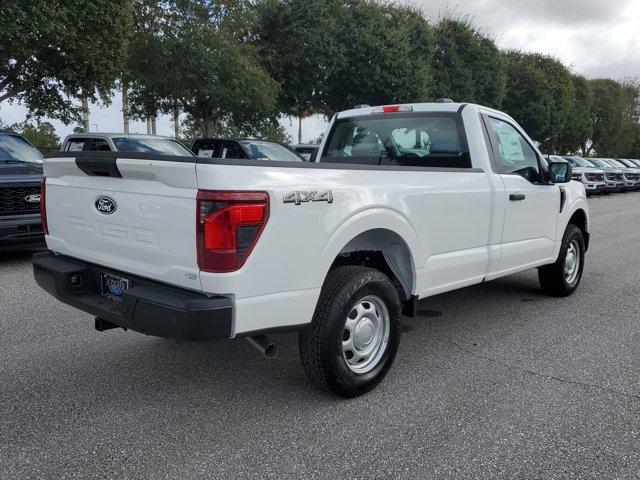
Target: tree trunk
{"type": "Point", "coordinates": [299, 128]}
{"type": "Point", "coordinates": [125, 106]}
{"type": "Point", "coordinates": [149, 126]}
{"type": "Point", "coordinates": [153, 126]}
{"type": "Point", "coordinates": [176, 121]}
{"type": "Point", "coordinates": [85, 113]}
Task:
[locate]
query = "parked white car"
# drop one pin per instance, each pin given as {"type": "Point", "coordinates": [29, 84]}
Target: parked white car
{"type": "Point", "coordinates": [592, 177]}
{"type": "Point", "coordinates": [403, 202]}
{"type": "Point", "coordinates": [123, 142]}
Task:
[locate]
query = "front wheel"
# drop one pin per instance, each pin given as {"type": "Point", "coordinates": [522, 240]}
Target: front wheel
{"type": "Point", "coordinates": [561, 278]}
{"type": "Point", "coordinates": [355, 332]}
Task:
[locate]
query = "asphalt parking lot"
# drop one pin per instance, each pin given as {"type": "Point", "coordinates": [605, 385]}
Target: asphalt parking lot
{"type": "Point", "coordinates": [492, 381]}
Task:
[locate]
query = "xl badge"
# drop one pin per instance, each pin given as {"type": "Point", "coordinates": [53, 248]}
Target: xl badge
{"type": "Point", "coordinates": [34, 198]}
{"type": "Point", "coordinates": [105, 205]}
{"type": "Point", "coordinates": [303, 196]}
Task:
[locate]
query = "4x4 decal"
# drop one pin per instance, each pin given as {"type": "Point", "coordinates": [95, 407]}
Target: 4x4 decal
{"type": "Point", "coordinates": [303, 196]}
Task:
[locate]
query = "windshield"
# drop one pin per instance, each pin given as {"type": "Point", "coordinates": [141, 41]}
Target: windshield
{"type": "Point", "coordinates": [601, 163]}
{"type": "Point", "coordinates": [16, 149]}
{"type": "Point", "coordinates": [615, 163]}
{"type": "Point", "coordinates": [627, 163]}
{"type": "Point", "coordinates": [410, 139]}
{"type": "Point", "coordinates": [259, 150]}
{"type": "Point", "coordinates": [159, 146]}
{"type": "Point", "coordinates": [579, 162]}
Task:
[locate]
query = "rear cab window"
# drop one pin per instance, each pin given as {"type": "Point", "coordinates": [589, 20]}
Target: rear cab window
{"type": "Point", "coordinates": [99, 145]}
{"type": "Point", "coordinates": [75, 144]}
{"type": "Point", "coordinates": [264, 150]}
{"type": "Point", "coordinates": [207, 148]}
{"type": "Point", "coordinates": [157, 146]}
{"type": "Point", "coordinates": [414, 139]}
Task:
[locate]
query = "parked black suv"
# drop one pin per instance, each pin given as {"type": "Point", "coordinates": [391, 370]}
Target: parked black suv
{"type": "Point", "coordinates": [20, 177]}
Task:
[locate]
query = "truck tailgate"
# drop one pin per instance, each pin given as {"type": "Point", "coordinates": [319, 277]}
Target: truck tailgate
{"type": "Point", "coordinates": [138, 217]}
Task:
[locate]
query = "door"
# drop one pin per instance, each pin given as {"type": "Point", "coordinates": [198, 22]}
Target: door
{"type": "Point", "coordinates": [532, 205]}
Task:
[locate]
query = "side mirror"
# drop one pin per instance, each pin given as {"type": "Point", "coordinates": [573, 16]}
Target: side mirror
{"type": "Point", "coordinates": [560, 172]}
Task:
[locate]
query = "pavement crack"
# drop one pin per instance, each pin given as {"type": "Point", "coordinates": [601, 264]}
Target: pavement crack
{"type": "Point", "coordinates": [542, 374]}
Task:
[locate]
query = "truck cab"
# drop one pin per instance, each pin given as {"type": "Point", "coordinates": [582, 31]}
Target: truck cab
{"type": "Point", "coordinates": [20, 179]}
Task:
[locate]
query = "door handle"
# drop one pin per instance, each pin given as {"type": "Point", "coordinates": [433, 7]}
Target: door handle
{"type": "Point", "coordinates": [517, 197]}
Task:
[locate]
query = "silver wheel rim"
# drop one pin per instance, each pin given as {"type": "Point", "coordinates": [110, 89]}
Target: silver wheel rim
{"type": "Point", "coordinates": [366, 334]}
{"type": "Point", "coordinates": [572, 262]}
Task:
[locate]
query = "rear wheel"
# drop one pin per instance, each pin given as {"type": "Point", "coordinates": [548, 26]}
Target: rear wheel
{"type": "Point", "coordinates": [561, 278]}
{"type": "Point", "coordinates": [355, 332]}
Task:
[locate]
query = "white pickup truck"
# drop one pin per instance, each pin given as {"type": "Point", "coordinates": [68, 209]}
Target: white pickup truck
{"type": "Point", "coordinates": [401, 203]}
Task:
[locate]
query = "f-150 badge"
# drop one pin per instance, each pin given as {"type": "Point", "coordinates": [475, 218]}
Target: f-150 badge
{"type": "Point", "coordinates": [303, 196]}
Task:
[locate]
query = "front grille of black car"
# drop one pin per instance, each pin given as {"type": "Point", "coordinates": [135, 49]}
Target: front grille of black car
{"type": "Point", "coordinates": [614, 176]}
{"type": "Point", "coordinates": [13, 200]}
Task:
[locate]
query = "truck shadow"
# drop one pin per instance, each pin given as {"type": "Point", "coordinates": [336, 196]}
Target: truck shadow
{"type": "Point", "coordinates": [119, 366]}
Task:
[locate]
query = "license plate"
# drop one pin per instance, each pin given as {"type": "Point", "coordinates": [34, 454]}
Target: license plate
{"type": "Point", "coordinates": [113, 287]}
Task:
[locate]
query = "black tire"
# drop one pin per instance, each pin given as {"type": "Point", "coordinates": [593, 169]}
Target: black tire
{"type": "Point", "coordinates": [552, 277]}
{"type": "Point", "coordinates": [321, 344]}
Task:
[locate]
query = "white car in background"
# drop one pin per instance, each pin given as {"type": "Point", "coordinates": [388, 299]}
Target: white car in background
{"type": "Point", "coordinates": [592, 177]}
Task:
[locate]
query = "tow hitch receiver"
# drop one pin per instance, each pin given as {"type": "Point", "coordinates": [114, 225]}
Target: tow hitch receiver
{"type": "Point", "coordinates": [102, 325]}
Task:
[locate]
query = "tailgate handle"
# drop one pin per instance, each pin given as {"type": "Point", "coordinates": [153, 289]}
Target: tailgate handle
{"type": "Point", "coordinates": [98, 167]}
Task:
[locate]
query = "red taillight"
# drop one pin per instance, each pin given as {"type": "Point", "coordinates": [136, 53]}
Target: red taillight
{"type": "Point", "coordinates": [43, 206]}
{"type": "Point", "coordinates": [228, 227]}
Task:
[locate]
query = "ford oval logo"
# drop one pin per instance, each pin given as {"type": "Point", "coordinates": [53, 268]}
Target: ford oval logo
{"type": "Point", "coordinates": [114, 289]}
{"type": "Point", "coordinates": [105, 205]}
{"type": "Point", "coordinates": [34, 198]}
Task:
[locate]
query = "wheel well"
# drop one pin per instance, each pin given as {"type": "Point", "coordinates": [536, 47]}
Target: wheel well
{"type": "Point", "coordinates": [579, 219]}
{"type": "Point", "coordinates": [382, 250]}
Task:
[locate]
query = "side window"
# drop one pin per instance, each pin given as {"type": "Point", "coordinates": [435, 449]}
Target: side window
{"type": "Point", "coordinates": [206, 149]}
{"type": "Point", "coordinates": [74, 145]}
{"type": "Point", "coordinates": [515, 155]}
{"type": "Point", "coordinates": [99, 145]}
{"type": "Point", "coordinates": [232, 150]}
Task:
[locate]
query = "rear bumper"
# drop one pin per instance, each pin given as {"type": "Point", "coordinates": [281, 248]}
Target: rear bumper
{"type": "Point", "coordinates": [23, 231]}
{"type": "Point", "coordinates": [147, 307]}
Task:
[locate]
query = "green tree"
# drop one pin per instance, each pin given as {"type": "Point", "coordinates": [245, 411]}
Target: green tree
{"type": "Point", "coordinates": [40, 134]}
{"type": "Point", "coordinates": [614, 114]}
{"type": "Point", "coordinates": [467, 65]}
{"type": "Point", "coordinates": [539, 95]}
{"type": "Point", "coordinates": [632, 146]}
{"type": "Point", "coordinates": [198, 60]}
{"type": "Point", "coordinates": [386, 54]}
{"type": "Point", "coordinates": [52, 52]}
{"type": "Point", "coordinates": [578, 129]}
{"type": "Point", "coordinates": [299, 43]}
